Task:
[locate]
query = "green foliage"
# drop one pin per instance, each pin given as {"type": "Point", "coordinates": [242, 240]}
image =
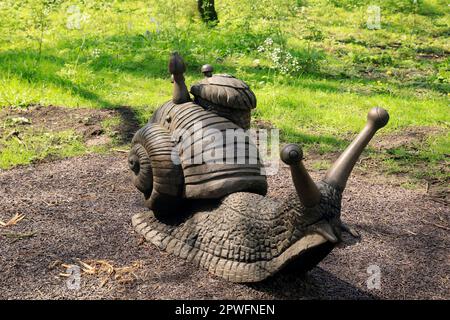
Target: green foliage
{"type": "Point", "coordinates": [382, 59]}
{"type": "Point", "coordinates": [425, 160]}
{"type": "Point", "coordinates": [33, 146]}
{"type": "Point", "coordinates": [422, 7]}
{"type": "Point", "coordinates": [329, 71]}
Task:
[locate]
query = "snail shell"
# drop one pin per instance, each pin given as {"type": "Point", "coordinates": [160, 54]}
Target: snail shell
{"type": "Point", "coordinates": [164, 158]}
{"type": "Point", "coordinates": [226, 96]}
{"type": "Point", "coordinates": [225, 90]}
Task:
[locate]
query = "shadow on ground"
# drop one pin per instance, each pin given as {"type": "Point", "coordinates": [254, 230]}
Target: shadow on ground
{"type": "Point", "coordinates": [317, 284]}
{"type": "Point", "coordinates": [129, 123]}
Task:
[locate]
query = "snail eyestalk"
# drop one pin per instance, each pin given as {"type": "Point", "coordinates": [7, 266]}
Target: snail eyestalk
{"type": "Point", "coordinates": [306, 188]}
{"type": "Point", "coordinates": [339, 173]}
{"type": "Point", "coordinates": [207, 70]}
{"type": "Point", "coordinates": [177, 69]}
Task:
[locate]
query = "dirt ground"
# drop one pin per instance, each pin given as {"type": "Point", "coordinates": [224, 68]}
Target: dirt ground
{"type": "Point", "coordinates": [80, 209]}
{"type": "Point", "coordinates": [85, 122]}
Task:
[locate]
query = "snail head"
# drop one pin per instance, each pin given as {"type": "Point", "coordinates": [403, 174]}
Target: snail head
{"type": "Point", "coordinates": [310, 193]}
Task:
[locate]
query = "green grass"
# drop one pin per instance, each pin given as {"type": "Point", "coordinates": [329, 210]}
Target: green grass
{"type": "Point", "coordinates": [118, 56]}
{"type": "Point", "coordinates": [110, 126]}
{"type": "Point", "coordinates": [321, 165]}
{"type": "Point", "coordinates": [430, 159]}
{"type": "Point", "coordinates": [34, 146]}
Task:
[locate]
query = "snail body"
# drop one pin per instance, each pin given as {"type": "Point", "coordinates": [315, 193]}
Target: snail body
{"type": "Point", "coordinates": [246, 237]}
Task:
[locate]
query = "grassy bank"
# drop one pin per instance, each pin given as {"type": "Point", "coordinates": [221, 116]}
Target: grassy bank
{"type": "Point", "coordinates": [314, 65]}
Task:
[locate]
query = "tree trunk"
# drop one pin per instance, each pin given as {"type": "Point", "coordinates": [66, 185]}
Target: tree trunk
{"type": "Point", "coordinates": [207, 11]}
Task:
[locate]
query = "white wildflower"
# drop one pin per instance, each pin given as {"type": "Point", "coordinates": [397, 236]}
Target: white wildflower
{"type": "Point", "coordinates": [282, 60]}
{"type": "Point", "coordinates": [76, 18]}
{"type": "Point", "coordinates": [268, 42]}
{"type": "Point", "coordinates": [96, 53]}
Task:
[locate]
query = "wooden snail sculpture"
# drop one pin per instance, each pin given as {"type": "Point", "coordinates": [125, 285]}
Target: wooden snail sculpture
{"type": "Point", "coordinates": [238, 234]}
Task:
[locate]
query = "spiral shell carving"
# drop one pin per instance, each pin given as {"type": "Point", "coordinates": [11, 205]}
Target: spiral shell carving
{"type": "Point", "coordinates": [155, 173]}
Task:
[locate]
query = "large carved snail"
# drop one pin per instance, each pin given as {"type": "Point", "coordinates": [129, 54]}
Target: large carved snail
{"type": "Point", "coordinates": [241, 236]}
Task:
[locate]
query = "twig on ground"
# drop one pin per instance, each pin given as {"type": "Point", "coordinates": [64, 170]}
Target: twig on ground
{"type": "Point", "coordinates": [438, 200]}
{"type": "Point", "coordinates": [121, 150]}
{"type": "Point", "coordinates": [13, 221]}
{"type": "Point", "coordinates": [107, 272]}
{"type": "Point", "coordinates": [19, 236]}
{"type": "Point", "coordinates": [437, 225]}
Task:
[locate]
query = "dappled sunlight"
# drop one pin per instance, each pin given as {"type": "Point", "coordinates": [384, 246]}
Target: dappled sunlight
{"type": "Point", "coordinates": [315, 66]}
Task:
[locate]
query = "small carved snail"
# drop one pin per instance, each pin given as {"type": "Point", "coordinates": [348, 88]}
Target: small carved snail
{"type": "Point", "coordinates": [225, 95]}
{"type": "Point", "coordinates": [244, 236]}
{"type": "Point", "coordinates": [168, 154]}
